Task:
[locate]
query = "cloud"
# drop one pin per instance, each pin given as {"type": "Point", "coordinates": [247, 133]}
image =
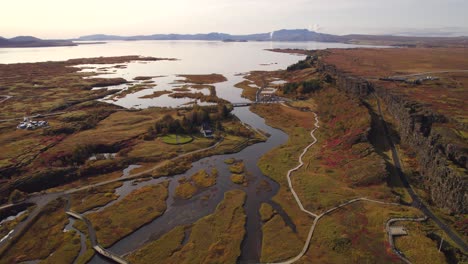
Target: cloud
{"type": "Point", "coordinates": [315, 28]}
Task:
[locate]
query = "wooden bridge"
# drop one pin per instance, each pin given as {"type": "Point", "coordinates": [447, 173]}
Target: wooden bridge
{"type": "Point", "coordinates": [242, 104]}
{"type": "Point", "coordinates": [245, 104]}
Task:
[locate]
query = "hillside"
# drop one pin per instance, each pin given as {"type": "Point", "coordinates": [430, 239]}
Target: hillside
{"type": "Point", "coordinates": [297, 35]}
{"type": "Point", "coordinates": [30, 42]}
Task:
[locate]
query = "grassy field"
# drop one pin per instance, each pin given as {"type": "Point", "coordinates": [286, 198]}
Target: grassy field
{"type": "Point", "coordinates": [417, 242]}
{"type": "Point", "coordinates": [133, 211]}
{"type": "Point", "coordinates": [174, 139]}
{"type": "Point", "coordinates": [356, 234]}
{"type": "Point", "coordinates": [342, 166]}
{"type": "Point", "coordinates": [279, 241]}
{"type": "Point", "coordinates": [215, 238]}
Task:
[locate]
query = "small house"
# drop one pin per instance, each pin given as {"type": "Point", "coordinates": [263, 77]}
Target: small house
{"type": "Point", "coordinates": [206, 130]}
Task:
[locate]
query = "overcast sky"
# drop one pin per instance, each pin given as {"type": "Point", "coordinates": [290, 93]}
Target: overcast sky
{"type": "Point", "coordinates": [67, 19]}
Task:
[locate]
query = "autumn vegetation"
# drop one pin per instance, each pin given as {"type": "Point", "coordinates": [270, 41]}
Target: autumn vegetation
{"type": "Point", "coordinates": [215, 238]}
{"type": "Point", "coordinates": [133, 211]}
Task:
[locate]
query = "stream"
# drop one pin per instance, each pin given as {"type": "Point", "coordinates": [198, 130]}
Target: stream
{"type": "Point", "coordinates": [260, 190]}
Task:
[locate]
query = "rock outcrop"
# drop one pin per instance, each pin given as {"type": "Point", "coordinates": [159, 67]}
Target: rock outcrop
{"type": "Point", "coordinates": [443, 163]}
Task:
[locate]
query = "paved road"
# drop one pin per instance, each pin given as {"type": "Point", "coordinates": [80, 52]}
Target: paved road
{"type": "Point", "coordinates": [426, 73]}
{"type": "Point", "coordinates": [417, 202]}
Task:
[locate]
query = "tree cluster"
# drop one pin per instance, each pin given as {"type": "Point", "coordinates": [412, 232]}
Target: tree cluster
{"type": "Point", "coordinates": [303, 64]}
{"type": "Point", "coordinates": [304, 87]}
{"type": "Point", "coordinates": [190, 121]}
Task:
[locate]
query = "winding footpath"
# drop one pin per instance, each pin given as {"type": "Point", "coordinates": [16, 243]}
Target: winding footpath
{"type": "Point", "coordinates": [329, 211]}
{"type": "Point", "coordinates": [5, 97]}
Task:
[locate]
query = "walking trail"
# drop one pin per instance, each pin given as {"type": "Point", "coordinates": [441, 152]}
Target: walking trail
{"type": "Point", "coordinates": [317, 217]}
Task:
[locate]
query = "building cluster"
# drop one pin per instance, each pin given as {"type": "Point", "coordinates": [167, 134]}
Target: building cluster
{"type": "Point", "coordinates": [419, 80]}
{"type": "Point", "coordinates": [267, 95]}
{"type": "Point", "coordinates": [29, 124]}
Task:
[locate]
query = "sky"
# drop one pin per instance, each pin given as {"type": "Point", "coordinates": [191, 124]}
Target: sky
{"type": "Point", "coordinates": [74, 18]}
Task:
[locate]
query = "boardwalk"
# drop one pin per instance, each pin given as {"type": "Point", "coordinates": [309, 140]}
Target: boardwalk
{"type": "Point", "coordinates": [92, 235]}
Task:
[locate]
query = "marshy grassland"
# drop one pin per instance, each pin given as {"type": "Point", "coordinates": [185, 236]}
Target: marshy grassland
{"type": "Point", "coordinates": [80, 127]}
{"type": "Point", "coordinates": [47, 228]}
{"type": "Point", "coordinates": [94, 197]}
{"type": "Point", "coordinates": [200, 180]}
{"type": "Point", "coordinates": [141, 206]}
{"type": "Point", "coordinates": [215, 238]}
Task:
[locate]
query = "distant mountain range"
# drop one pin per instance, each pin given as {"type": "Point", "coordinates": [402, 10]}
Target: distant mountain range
{"type": "Point", "coordinates": [279, 35]}
{"type": "Point", "coordinates": [296, 35]}
{"type": "Point", "coordinates": [29, 42]}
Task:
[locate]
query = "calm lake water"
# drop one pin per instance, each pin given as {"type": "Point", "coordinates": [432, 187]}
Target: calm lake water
{"type": "Point", "coordinates": [193, 57]}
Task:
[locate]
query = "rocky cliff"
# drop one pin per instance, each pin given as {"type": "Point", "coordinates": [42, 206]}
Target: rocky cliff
{"type": "Point", "coordinates": [443, 163]}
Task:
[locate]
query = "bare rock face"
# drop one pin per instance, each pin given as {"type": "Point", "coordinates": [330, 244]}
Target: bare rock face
{"type": "Point", "coordinates": [443, 164]}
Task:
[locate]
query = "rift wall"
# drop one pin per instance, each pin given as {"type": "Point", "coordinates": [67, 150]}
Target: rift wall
{"type": "Point", "coordinates": [443, 165]}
